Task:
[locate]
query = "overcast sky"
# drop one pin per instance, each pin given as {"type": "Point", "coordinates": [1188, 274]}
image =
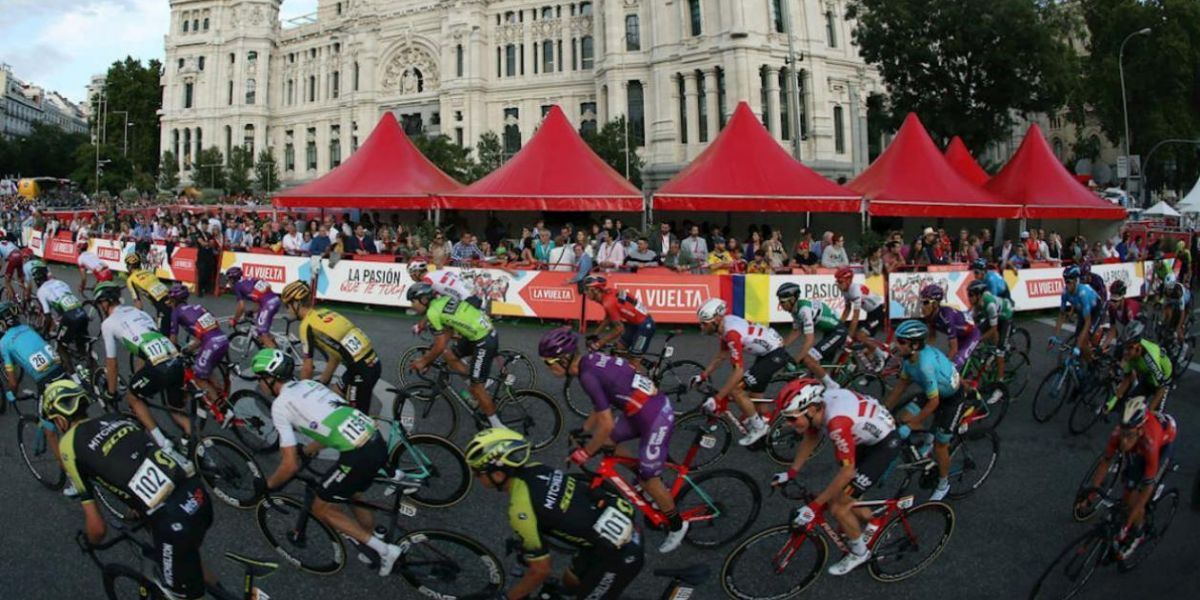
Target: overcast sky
{"type": "Point", "coordinates": [60, 44]}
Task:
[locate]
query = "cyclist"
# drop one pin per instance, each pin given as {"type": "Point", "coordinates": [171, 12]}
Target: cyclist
{"type": "Point", "coordinates": [865, 442]}
{"type": "Point", "coordinates": [994, 317]}
{"type": "Point", "coordinates": [962, 334]}
{"type": "Point", "coordinates": [477, 337]}
{"type": "Point", "coordinates": [1094, 280]}
{"type": "Point", "coordinates": [546, 502]}
{"type": "Point", "coordinates": [747, 386]}
{"type": "Point", "coordinates": [1120, 311]}
{"type": "Point", "coordinates": [340, 341]}
{"type": "Point", "coordinates": [1087, 307]}
{"type": "Point", "coordinates": [158, 366]}
{"type": "Point", "coordinates": [858, 298]}
{"type": "Point", "coordinates": [209, 344]}
{"type": "Point", "coordinates": [316, 412]}
{"type": "Point", "coordinates": [611, 382]}
{"type": "Point", "coordinates": [1145, 363]}
{"type": "Point", "coordinates": [444, 282]}
{"type": "Point", "coordinates": [1183, 256]}
{"type": "Point", "coordinates": [629, 320]}
{"type": "Point", "coordinates": [90, 263]}
{"type": "Point", "coordinates": [24, 348]}
{"type": "Point", "coordinates": [143, 282]}
{"type": "Point", "coordinates": [1147, 439]}
{"type": "Point", "coordinates": [260, 293]}
{"type": "Point", "coordinates": [1177, 307]}
{"type": "Point", "coordinates": [13, 261]}
{"type": "Point", "coordinates": [113, 452]}
{"type": "Point", "coordinates": [1159, 270]}
{"type": "Point", "coordinates": [59, 302]}
{"type": "Point", "coordinates": [27, 268]}
{"type": "Point", "coordinates": [809, 317]}
{"type": "Point", "coordinates": [995, 281]}
{"type": "Point", "coordinates": [937, 377]}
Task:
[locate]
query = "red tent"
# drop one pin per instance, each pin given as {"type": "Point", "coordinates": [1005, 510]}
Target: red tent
{"type": "Point", "coordinates": [960, 158]}
{"type": "Point", "coordinates": [386, 172]}
{"type": "Point", "coordinates": [912, 179]}
{"type": "Point", "coordinates": [555, 171]}
{"type": "Point", "coordinates": [744, 169]}
{"type": "Point", "coordinates": [1035, 178]}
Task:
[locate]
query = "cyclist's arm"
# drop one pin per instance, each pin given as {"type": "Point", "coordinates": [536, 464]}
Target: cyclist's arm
{"type": "Point", "coordinates": [793, 335]}
{"type": "Point", "coordinates": [893, 397]}
{"type": "Point", "coordinates": [600, 423]}
{"type": "Point", "coordinates": [441, 339]}
{"type": "Point", "coordinates": [289, 465]}
{"type": "Point", "coordinates": [932, 395]}
{"type": "Point", "coordinates": [331, 363]}
{"type": "Point", "coordinates": [715, 362]}
{"type": "Point", "coordinates": [855, 311]}
{"type": "Point", "coordinates": [523, 520]}
{"type": "Point", "coordinates": [810, 339]}
{"type": "Point", "coordinates": [307, 344]}
{"type": "Point", "coordinates": [805, 450]}
{"type": "Point", "coordinates": [238, 311]}
{"type": "Point", "coordinates": [1140, 496]}
{"type": "Point", "coordinates": [736, 361]}
{"type": "Point", "coordinates": [843, 448]}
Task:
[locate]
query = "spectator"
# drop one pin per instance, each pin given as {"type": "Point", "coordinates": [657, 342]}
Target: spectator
{"type": "Point", "coordinates": [306, 245]}
{"type": "Point", "coordinates": [719, 260]}
{"type": "Point", "coordinates": [611, 253]}
{"type": "Point", "coordinates": [439, 249]}
{"type": "Point", "coordinates": [319, 244]}
{"type": "Point", "coordinates": [563, 257]}
{"type": "Point", "coordinates": [526, 241]}
{"type": "Point", "coordinates": [1134, 252]}
{"type": "Point", "coordinates": [893, 260]}
{"type": "Point", "coordinates": [1004, 251]}
{"type": "Point", "coordinates": [753, 243]}
{"type": "Point", "coordinates": [207, 251]}
{"type": "Point", "coordinates": [759, 265]}
{"type": "Point", "coordinates": [874, 261]}
{"type": "Point", "coordinates": [541, 249]}
{"type": "Point", "coordinates": [805, 259]}
{"type": "Point", "coordinates": [662, 241]}
{"type": "Point", "coordinates": [1018, 259]}
{"type": "Point", "coordinates": [1123, 246]}
{"type": "Point", "coordinates": [737, 260]}
{"type": "Point", "coordinates": [674, 258]}
{"type": "Point", "coordinates": [465, 252]}
{"type": "Point", "coordinates": [360, 243]}
{"type": "Point", "coordinates": [642, 256]}
{"type": "Point", "coordinates": [918, 255]}
{"type": "Point", "coordinates": [1054, 248]}
{"type": "Point", "coordinates": [1109, 251]}
{"type": "Point", "coordinates": [834, 254]}
{"type": "Point", "coordinates": [773, 249]}
{"type": "Point", "coordinates": [694, 248]}
{"type": "Point", "coordinates": [292, 241]}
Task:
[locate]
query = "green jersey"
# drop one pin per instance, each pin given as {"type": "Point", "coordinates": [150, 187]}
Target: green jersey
{"type": "Point", "coordinates": [991, 310]}
{"type": "Point", "coordinates": [319, 414]}
{"type": "Point", "coordinates": [469, 322]}
{"type": "Point", "coordinates": [1153, 368]}
{"type": "Point", "coordinates": [814, 314]}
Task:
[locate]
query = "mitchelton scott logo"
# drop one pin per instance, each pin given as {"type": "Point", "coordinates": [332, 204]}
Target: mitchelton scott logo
{"type": "Point", "coordinates": [272, 273]}
{"type": "Point", "coordinates": [1041, 288]}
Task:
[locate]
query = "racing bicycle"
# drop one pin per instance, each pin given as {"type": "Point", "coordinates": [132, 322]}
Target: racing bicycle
{"type": "Point", "coordinates": [670, 378]}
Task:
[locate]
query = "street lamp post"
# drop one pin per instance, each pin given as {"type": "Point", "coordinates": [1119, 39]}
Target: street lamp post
{"type": "Point", "coordinates": [1124, 102]}
{"type": "Point", "coordinates": [793, 89]}
{"type": "Point", "coordinates": [125, 135]}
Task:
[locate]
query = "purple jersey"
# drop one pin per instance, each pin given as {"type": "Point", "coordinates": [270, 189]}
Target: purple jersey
{"type": "Point", "coordinates": [1097, 283]}
{"type": "Point", "coordinates": [196, 319]}
{"type": "Point", "coordinates": [254, 290]}
{"type": "Point", "coordinates": [952, 322]}
{"type": "Point", "coordinates": [610, 381]}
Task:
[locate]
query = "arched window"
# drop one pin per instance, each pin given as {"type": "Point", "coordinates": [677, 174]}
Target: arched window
{"type": "Point", "coordinates": [248, 139]}
{"type": "Point", "coordinates": [186, 23]}
{"type": "Point", "coordinates": [458, 60]}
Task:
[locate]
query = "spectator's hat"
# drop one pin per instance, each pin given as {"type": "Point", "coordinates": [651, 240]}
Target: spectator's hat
{"type": "Point", "coordinates": [1024, 235]}
{"type": "Point", "coordinates": [928, 231]}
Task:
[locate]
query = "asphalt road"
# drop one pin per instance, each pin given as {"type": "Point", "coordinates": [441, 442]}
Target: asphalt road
{"type": "Point", "coordinates": [1006, 533]}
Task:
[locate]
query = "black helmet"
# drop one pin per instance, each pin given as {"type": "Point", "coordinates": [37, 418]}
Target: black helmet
{"type": "Point", "coordinates": [1117, 290]}
{"type": "Point", "coordinates": [1133, 333]}
{"type": "Point", "coordinates": [419, 291]}
{"type": "Point", "coordinates": [787, 291]}
{"type": "Point", "coordinates": [977, 287]}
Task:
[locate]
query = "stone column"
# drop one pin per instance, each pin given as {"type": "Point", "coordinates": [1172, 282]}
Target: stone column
{"type": "Point", "coordinates": [773, 101]}
{"type": "Point", "coordinates": [693, 113]}
{"type": "Point", "coordinates": [711, 101]}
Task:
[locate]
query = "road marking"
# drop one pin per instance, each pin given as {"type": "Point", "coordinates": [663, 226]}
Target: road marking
{"type": "Point", "coordinates": [1192, 366]}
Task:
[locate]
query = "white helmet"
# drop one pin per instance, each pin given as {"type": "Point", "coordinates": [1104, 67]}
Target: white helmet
{"type": "Point", "coordinates": [1135, 412]}
{"type": "Point", "coordinates": [711, 310]}
{"type": "Point", "coordinates": [803, 394]}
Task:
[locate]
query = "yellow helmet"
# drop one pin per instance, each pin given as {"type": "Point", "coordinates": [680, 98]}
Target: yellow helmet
{"type": "Point", "coordinates": [63, 398]}
{"type": "Point", "coordinates": [497, 448]}
{"type": "Point", "coordinates": [296, 291]}
{"type": "Point", "coordinates": [133, 261]}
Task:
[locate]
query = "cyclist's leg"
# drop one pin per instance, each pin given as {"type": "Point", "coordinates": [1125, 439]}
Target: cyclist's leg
{"type": "Point", "coordinates": [485, 352]}
{"type": "Point", "coordinates": [171, 373]}
{"type": "Point", "coordinates": [756, 379]}
{"type": "Point", "coordinates": [211, 352]}
{"type": "Point", "coordinates": [178, 529]}
{"type": "Point", "coordinates": [144, 383]}
{"type": "Point", "coordinates": [360, 388]}
{"type": "Point", "coordinates": [263, 319]}
{"type": "Point", "coordinates": [654, 432]}
{"type": "Point", "coordinates": [351, 475]}
{"type": "Point", "coordinates": [945, 422]}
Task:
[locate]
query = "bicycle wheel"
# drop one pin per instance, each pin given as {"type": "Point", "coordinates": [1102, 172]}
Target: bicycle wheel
{"type": "Point", "coordinates": [1018, 339]}
{"type": "Point", "coordinates": [430, 411]}
{"type": "Point", "coordinates": [1066, 576]}
{"type": "Point", "coordinates": [1089, 409]}
{"type": "Point", "coordinates": [534, 414]}
{"type": "Point", "coordinates": [782, 442]}
{"type": "Point", "coordinates": [720, 506]}
{"type": "Point", "coordinates": [575, 398]}
{"type": "Point", "coordinates": [715, 438]}
{"type": "Point", "coordinates": [675, 381]}
{"type": "Point", "coordinates": [1182, 359]}
{"type": "Point", "coordinates": [1107, 487]}
{"type": "Point", "coordinates": [124, 583]}
{"type": "Point", "coordinates": [94, 318]}
{"type": "Point", "coordinates": [1054, 389]}
{"type": "Point", "coordinates": [404, 373]}
{"type": "Point", "coordinates": [866, 383]}
{"type": "Point", "coordinates": [252, 422]}
{"type": "Point", "coordinates": [229, 471]}
{"type": "Point", "coordinates": [773, 564]}
{"type": "Point", "coordinates": [315, 547]}
{"type": "Point", "coordinates": [994, 398]}
{"type": "Point", "coordinates": [1016, 373]}
{"type": "Point", "coordinates": [39, 457]}
{"type": "Point", "coordinates": [521, 374]}
{"type": "Point", "coordinates": [443, 564]}
{"type": "Point", "coordinates": [1158, 518]}
{"type": "Point", "coordinates": [911, 541]}
{"type": "Point", "coordinates": [446, 477]}
{"type": "Point", "coordinates": [972, 458]}
{"type": "Point", "coordinates": [242, 346]}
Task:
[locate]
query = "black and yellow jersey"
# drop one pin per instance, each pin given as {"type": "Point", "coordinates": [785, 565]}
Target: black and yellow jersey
{"type": "Point", "coordinates": [334, 334]}
{"type": "Point", "coordinates": [113, 451]}
{"type": "Point", "coordinates": [144, 282]}
{"type": "Point", "coordinates": [547, 501]}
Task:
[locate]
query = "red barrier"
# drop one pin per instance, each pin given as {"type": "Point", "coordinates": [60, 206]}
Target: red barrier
{"type": "Point", "coordinates": [379, 258]}
{"type": "Point", "coordinates": [61, 248]}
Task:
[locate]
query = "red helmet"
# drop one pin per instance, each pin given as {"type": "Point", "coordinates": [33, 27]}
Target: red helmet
{"type": "Point", "coordinates": [811, 388]}
{"type": "Point", "coordinates": [844, 273]}
{"type": "Point", "coordinates": [104, 275]}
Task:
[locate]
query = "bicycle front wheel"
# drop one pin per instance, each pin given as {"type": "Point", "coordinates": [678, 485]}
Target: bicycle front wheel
{"type": "Point", "coordinates": [576, 399]}
{"type": "Point", "coordinates": [229, 471]}
{"type": "Point", "coordinates": [310, 546]}
{"type": "Point", "coordinates": [1051, 393]}
{"type": "Point", "coordinates": [1018, 339]}
{"type": "Point", "coordinates": [252, 422]}
{"type": "Point", "coordinates": [1089, 409]}
{"type": "Point", "coordinates": [242, 346]}
{"type": "Point", "coordinates": [532, 413]}
{"type": "Point", "coordinates": [404, 373]}
{"type": "Point", "coordinates": [439, 464]}
{"type": "Point", "coordinates": [972, 458]}
{"type": "Point", "coordinates": [911, 541]}
{"type": "Point", "coordinates": [774, 564]}
{"type": "Point", "coordinates": [428, 411]}
{"type": "Point", "coordinates": [1016, 373]}
{"type": "Point", "coordinates": [1107, 486]}
{"type": "Point", "coordinates": [710, 436]}
{"type": "Point", "coordinates": [675, 381]}
{"type": "Point", "coordinates": [520, 371]}
{"type": "Point", "coordinates": [39, 457]}
{"type": "Point", "coordinates": [124, 583]}
{"type": "Point", "coordinates": [442, 564]}
{"type": "Point", "coordinates": [1066, 576]}
{"type": "Point", "coordinates": [720, 506]}
{"type": "Point", "coordinates": [782, 442]}
{"type": "Point", "coordinates": [94, 318]}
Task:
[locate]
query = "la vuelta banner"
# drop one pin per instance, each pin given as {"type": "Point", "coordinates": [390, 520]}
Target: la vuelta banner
{"type": "Point", "coordinates": [60, 248]}
{"type": "Point", "coordinates": [272, 268]}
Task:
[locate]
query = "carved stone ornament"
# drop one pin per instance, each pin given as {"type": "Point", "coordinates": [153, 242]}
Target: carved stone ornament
{"type": "Point", "coordinates": [411, 70]}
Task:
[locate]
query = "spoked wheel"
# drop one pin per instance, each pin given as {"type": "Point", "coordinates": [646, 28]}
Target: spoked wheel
{"type": "Point", "coordinates": [720, 506]}
{"type": "Point", "coordinates": [1066, 576]}
{"type": "Point", "coordinates": [39, 457]}
{"type": "Point", "coordinates": [521, 374]}
{"type": "Point", "coordinates": [124, 583]}
{"type": "Point", "coordinates": [866, 383]}
{"type": "Point", "coordinates": [404, 373]}
{"type": "Point", "coordinates": [1052, 392]}
{"type": "Point", "coordinates": [1107, 487]}
{"type": "Point", "coordinates": [972, 458]}
{"type": "Point", "coordinates": [715, 440]}
{"type": "Point", "coordinates": [314, 547]}
{"type": "Point", "coordinates": [428, 411]}
{"type": "Point", "coordinates": [911, 541]}
{"type": "Point", "coordinates": [1016, 373]}
{"type": "Point", "coordinates": [94, 318]}
{"type": "Point", "coordinates": [242, 346]}
{"type": "Point", "coordinates": [782, 441]}
{"type": "Point", "coordinates": [1182, 357]}
{"type": "Point", "coordinates": [1089, 409]}
{"type": "Point", "coordinates": [533, 414]}
{"type": "Point", "coordinates": [1158, 519]}
{"type": "Point", "coordinates": [252, 421]}
{"type": "Point", "coordinates": [444, 476]}
{"type": "Point", "coordinates": [442, 564]}
{"type": "Point", "coordinates": [229, 471]}
{"type": "Point", "coordinates": [1018, 339]}
{"type": "Point", "coordinates": [773, 564]}
{"type": "Point", "coordinates": [576, 399]}
{"type": "Point", "coordinates": [675, 381]}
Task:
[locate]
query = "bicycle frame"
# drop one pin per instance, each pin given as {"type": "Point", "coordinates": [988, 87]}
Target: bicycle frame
{"type": "Point", "coordinates": [608, 472]}
{"type": "Point", "coordinates": [893, 508]}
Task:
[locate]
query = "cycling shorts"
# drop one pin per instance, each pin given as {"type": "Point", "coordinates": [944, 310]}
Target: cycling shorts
{"type": "Point", "coordinates": [75, 329]}
{"type": "Point", "coordinates": [636, 338]}
{"type": "Point", "coordinates": [359, 381]}
{"type": "Point", "coordinates": [354, 471]}
{"type": "Point", "coordinates": [871, 461]}
{"type": "Point", "coordinates": [166, 377]}
{"type": "Point", "coordinates": [1097, 321]}
{"type": "Point", "coordinates": [652, 426]}
{"type": "Point", "coordinates": [605, 575]}
{"type": "Point", "coordinates": [178, 529]}
{"type": "Point", "coordinates": [827, 350]}
{"type": "Point", "coordinates": [946, 416]}
{"type": "Point", "coordinates": [266, 315]}
{"type": "Point", "coordinates": [211, 352]}
{"type": "Point", "coordinates": [484, 352]}
{"type": "Point", "coordinates": [874, 320]}
{"type": "Point", "coordinates": [764, 368]}
{"type": "Point", "coordinates": [966, 345]}
{"type": "Point", "coordinates": [12, 266]}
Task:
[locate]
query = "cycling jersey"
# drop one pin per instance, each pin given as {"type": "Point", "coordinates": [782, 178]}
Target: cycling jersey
{"type": "Point", "coordinates": [610, 381]}
{"type": "Point", "coordinates": [852, 419]}
{"type": "Point", "coordinates": [1096, 282]}
{"type": "Point", "coordinates": [547, 501]}
{"type": "Point", "coordinates": [469, 322]}
{"type": "Point", "coordinates": [859, 296]}
{"type": "Point", "coordinates": [6, 249]}
{"type": "Point", "coordinates": [136, 331]}
{"type": "Point", "coordinates": [196, 319]}
{"type": "Point", "coordinates": [1123, 312]}
{"type": "Point", "coordinates": [253, 290]}
{"type": "Point", "coordinates": [1181, 302]}
{"type": "Point", "coordinates": [22, 347]}
{"type": "Point", "coordinates": [56, 295]}
{"type": "Point", "coordinates": [448, 283]}
{"type": "Point", "coordinates": [953, 323]}
{"type": "Point", "coordinates": [91, 262]}
{"type": "Point", "coordinates": [321, 415]}
{"type": "Point", "coordinates": [814, 315]}
{"type": "Point", "coordinates": [1085, 301]}
{"type": "Point", "coordinates": [997, 285]}
{"type": "Point", "coordinates": [991, 310]}
{"type": "Point", "coordinates": [29, 266]}
{"type": "Point", "coordinates": [743, 337]}
{"type": "Point", "coordinates": [933, 371]}
{"type": "Point", "coordinates": [144, 282]}
{"type": "Point", "coordinates": [1158, 433]}
{"type": "Point", "coordinates": [621, 307]}
{"type": "Point", "coordinates": [1153, 368]}
{"type": "Point", "coordinates": [334, 334]}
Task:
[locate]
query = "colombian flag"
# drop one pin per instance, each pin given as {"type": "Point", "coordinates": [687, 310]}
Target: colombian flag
{"type": "Point", "coordinates": [749, 296]}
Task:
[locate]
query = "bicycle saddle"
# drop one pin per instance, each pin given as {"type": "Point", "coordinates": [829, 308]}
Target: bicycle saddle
{"type": "Point", "coordinates": [693, 575]}
{"type": "Point", "coordinates": [258, 568]}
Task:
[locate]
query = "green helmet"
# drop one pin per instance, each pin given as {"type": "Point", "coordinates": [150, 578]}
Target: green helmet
{"type": "Point", "coordinates": [64, 398]}
{"type": "Point", "coordinates": [273, 363]}
{"type": "Point", "coordinates": [107, 291]}
{"type": "Point", "coordinates": [496, 449]}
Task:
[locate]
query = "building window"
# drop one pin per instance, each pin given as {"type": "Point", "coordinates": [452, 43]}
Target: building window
{"type": "Point", "coordinates": [206, 23]}
{"type": "Point", "coordinates": [229, 94]}
{"type": "Point", "coordinates": [199, 141]}
{"type": "Point", "coordinates": [830, 29]}
{"type": "Point", "coordinates": [200, 63]}
{"type": "Point", "coordinates": [547, 56]}
{"type": "Point", "coordinates": [547, 12]}
{"type": "Point", "coordinates": [458, 60]}
{"type": "Point", "coordinates": [803, 108]}
{"type": "Point", "coordinates": [510, 60]}
{"type": "Point", "coordinates": [574, 53]}
{"type": "Point", "coordinates": [585, 8]}
{"type": "Point", "coordinates": [694, 15]}
{"type": "Point", "coordinates": [187, 148]}
{"type": "Point", "coordinates": [180, 64]}
{"type": "Point", "coordinates": [356, 77]}
{"type": "Point", "coordinates": [633, 37]}
{"type": "Point", "coordinates": [839, 133]}
{"type": "Point", "coordinates": [339, 8]}
{"type": "Point", "coordinates": [175, 143]}
{"type": "Point", "coordinates": [458, 136]}
{"type": "Point", "coordinates": [560, 56]}
{"type": "Point", "coordinates": [228, 140]}
{"type": "Point", "coordinates": [289, 155]}
{"type": "Point", "coordinates": [187, 95]}
{"type": "Point", "coordinates": [310, 149]}
{"type": "Point", "coordinates": [762, 95]}
{"type": "Point", "coordinates": [512, 131]}
{"type": "Point", "coordinates": [232, 58]}
{"type": "Point", "coordinates": [721, 100]}
{"type": "Point", "coordinates": [247, 139]}
{"type": "Point", "coordinates": [195, 25]}
{"type": "Point", "coordinates": [1058, 149]}
{"type": "Point", "coordinates": [335, 146]}
{"type": "Point", "coordinates": [637, 113]}
{"type": "Point", "coordinates": [777, 14]}
{"type": "Point", "coordinates": [785, 113]}
{"type": "Point", "coordinates": [585, 52]}
{"type": "Point", "coordinates": [186, 23]}
{"type": "Point", "coordinates": [522, 61]}
{"type": "Point", "coordinates": [251, 56]}
{"type": "Point", "coordinates": [683, 137]}
{"type": "Point", "coordinates": [336, 84]}
{"type": "Point", "coordinates": [291, 92]}
{"type": "Point", "coordinates": [587, 117]}
{"type": "Point", "coordinates": [701, 106]}
{"type": "Point", "coordinates": [251, 89]}
{"type": "Point", "coordinates": [312, 88]}
{"type": "Point", "coordinates": [546, 110]}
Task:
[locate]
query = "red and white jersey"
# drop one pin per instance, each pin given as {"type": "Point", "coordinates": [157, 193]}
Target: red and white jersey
{"type": "Point", "coordinates": [91, 262]}
{"type": "Point", "coordinates": [448, 283]}
{"type": "Point", "coordinates": [743, 337]}
{"type": "Point", "coordinates": [859, 296]}
{"type": "Point", "coordinates": [852, 419]}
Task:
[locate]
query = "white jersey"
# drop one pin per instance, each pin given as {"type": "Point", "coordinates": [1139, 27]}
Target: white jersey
{"type": "Point", "coordinates": [743, 336]}
{"type": "Point", "coordinates": [6, 248]}
{"type": "Point", "coordinates": [863, 418]}
{"type": "Point", "coordinates": [319, 414]}
{"type": "Point", "coordinates": [56, 294]}
{"type": "Point", "coordinates": [859, 296]}
{"type": "Point", "coordinates": [91, 262]}
{"type": "Point", "coordinates": [449, 283]}
{"type": "Point", "coordinates": [139, 334]}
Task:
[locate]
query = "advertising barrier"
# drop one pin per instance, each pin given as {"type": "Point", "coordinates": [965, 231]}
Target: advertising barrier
{"type": "Point", "coordinates": [62, 249]}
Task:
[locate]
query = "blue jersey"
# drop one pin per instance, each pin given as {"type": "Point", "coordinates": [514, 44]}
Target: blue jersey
{"type": "Point", "coordinates": [996, 284]}
{"type": "Point", "coordinates": [22, 347]}
{"type": "Point", "coordinates": [1085, 301]}
{"type": "Point", "coordinates": [933, 371]}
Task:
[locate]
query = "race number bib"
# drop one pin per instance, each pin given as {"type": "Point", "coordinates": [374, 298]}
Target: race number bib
{"type": "Point", "coordinates": [261, 287]}
{"type": "Point", "coordinates": [158, 290]}
{"type": "Point", "coordinates": [157, 350]}
{"type": "Point", "coordinates": [150, 484]}
{"type": "Point", "coordinates": [42, 360]}
{"type": "Point", "coordinates": [614, 526]}
{"type": "Point", "coordinates": [68, 302]}
{"type": "Point", "coordinates": [206, 323]}
{"type": "Point", "coordinates": [356, 430]}
{"type": "Point", "coordinates": [644, 385]}
{"type": "Point", "coordinates": [354, 343]}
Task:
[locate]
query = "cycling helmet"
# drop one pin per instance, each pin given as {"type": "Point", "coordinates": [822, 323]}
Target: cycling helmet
{"type": "Point", "coordinates": [977, 287]}
{"type": "Point", "coordinates": [104, 274]}
{"type": "Point", "coordinates": [40, 273]}
{"type": "Point", "coordinates": [1085, 267]}
{"type": "Point", "coordinates": [1134, 332]}
{"type": "Point", "coordinates": [1173, 289]}
{"type": "Point", "coordinates": [497, 449]}
{"type": "Point", "coordinates": [798, 395]}
{"type": "Point", "coordinates": [933, 292]}
{"type": "Point", "coordinates": [593, 282]}
{"type": "Point", "coordinates": [711, 310]}
{"type": "Point", "coordinates": [273, 363]}
{"type": "Point", "coordinates": [913, 330]}
{"type": "Point", "coordinates": [296, 291]}
{"type": "Point", "coordinates": [1117, 290]}
{"type": "Point", "coordinates": [1135, 412]}
{"type": "Point", "coordinates": [1170, 279]}
{"type": "Point", "coordinates": [179, 293]}
{"type": "Point", "coordinates": [417, 269]}
{"type": "Point", "coordinates": [234, 274]}
{"type": "Point", "coordinates": [8, 314]}
{"type": "Point", "coordinates": [63, 398]}
{"type": "Point", "coordinates": [1070, 273]}
{"type": "Point", "coordinates": [107, 291]}
{"type": "Point", "coordinates": [133, 261]}
{"type": "Point", "coordinates": [788, 291]}
{"type": "Point", "coordinates": [419, 291]}
{"type": "Point", "coordinates": [979, 264]}
{"type": "Point", "coordinates": [844, 274]}
{"type": "Point", "coordinates": [558, 342]}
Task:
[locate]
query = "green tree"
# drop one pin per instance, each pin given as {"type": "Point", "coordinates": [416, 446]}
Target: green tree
{"type": "Point", "coordinates": [133, 88]}
{"type": "Point", "coordinates": [448, 156]}
{"type": "Point", "coordinates": [208, 170]}
{"type": "Point", "coordinates": [237, 172]}
{"type": "Point", "coordinates": [489, 155]}
{"type": "Point", "coordinates": [266, 172]}
{"type": "Point", "coordinates": [115, 172]}
{"type": "Point", "coordinates": [610, 144]}
{"type": "Point", "coordinates": [965, 66]}
{"type": "Point", "coordinates": [168, 172]}
{"type": "Point", "coordinates": [46, 152]}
